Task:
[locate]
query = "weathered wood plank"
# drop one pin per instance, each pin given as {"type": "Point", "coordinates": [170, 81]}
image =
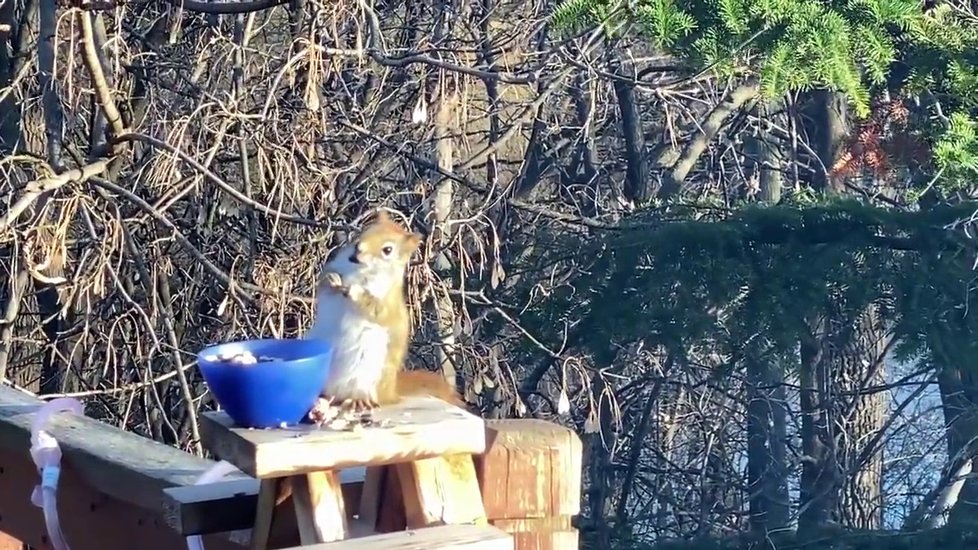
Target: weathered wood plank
{"type": "Point", "coordinates": [370, 495]}
{"type": "Point", "coordinates": [531, 482]}
{"type": "Point", "coordinates": [556, 533]}
{"type": "Point", "coordinates": [230, 505]}
{"type": "Point", "coordinates": [531, 469]}
{"type": "Point", "coordinates": [319, 508]}
{"type": "Point", "coordinates": [212, 508]}
{"type": "Point", "coordinates": [90, 520]}
{"type": "Point", "coordinates": [121, 464]}
{"type": "Point", "coordinates": [441, 490]}
{"type": "Point", "coordinates": [532, 491]}
{"type": "Point", "coordinates": [415, 429]}
{"type": "Point", "coordinates": [445, 537]}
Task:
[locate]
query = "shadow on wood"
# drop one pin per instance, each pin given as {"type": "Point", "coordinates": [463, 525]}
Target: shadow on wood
{"type": "Point", "coordinates": [91, 520]}
{"type": "Point", "coordinates": [119, 490]}
{"type": "Point", "coordinates": [530, 477]}
{"type": "Point", "coordinates": [446, 537]}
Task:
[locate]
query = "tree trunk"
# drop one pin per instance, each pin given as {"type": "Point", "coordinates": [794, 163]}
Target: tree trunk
{"type": "Point", "coordinates": [9, 111]}
{"type": "Point", "coordinates": [446, 92]}
{"type": "Point", "coordinates": [677, 168]}
{"type": "Point", "coordinates": [953, 348]}
{"type": "Point", "coordinates": [597, 446]}
{"type": "Point", "coordinates": [766, 181]}
{"type": "Point", "coordinates": [443, 201]}
{"type": "Point", "coordinates": [827, 127]}
{"type": "Point", "coordinates": [819, 485]}
{"type": "Point", "coordinates": [636, 186]}
{"type": "Point", "coordinates": [579, 182]}
{"type": "Point", "coordinates": [841, 475]}
{"type": "Point", "coordinates": [767, 468]}
{"type": "Point", "coordinates": [859, 370]}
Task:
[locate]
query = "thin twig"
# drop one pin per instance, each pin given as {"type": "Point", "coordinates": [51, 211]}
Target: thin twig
{"type": "Point", "coordinates": [37, 188]}
{"type": "Point", "coordinates": [99, 82]}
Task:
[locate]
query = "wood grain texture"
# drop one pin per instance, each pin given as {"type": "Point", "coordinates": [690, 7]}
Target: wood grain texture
{"type": "Point", "coordinates": [531, 469]}
{"type": "Point", "coordinates": [121, 464]}
{"type": "Point", "coordinates": [417, 428]}
{"type": "Point", "coordinates": [264, 515]}
{"type": "Point", "coordinates": [371, 495]}
{"type": "Point", "coordinates": [446, 537]}
{"type": "Point", "coordinates": [90, 519]}
{"type": "Point", "coordinates": [390, 516]}
{"type": "Point", "coordinates": [319, 508]}
{"type": "Point", "coordinates": [531, 482]}
{"type": "Point", "coordinates": [230, 505]}
{"type": "Point", "coordinates": [441, 490]}
{"type": "Point", "coordinates": [555, 533]}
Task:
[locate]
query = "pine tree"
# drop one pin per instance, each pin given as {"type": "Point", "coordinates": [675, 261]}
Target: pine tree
{"type": "Point", "coordinates": [850, 46]}
{"type": "Point", "coordinates": [791, 45]}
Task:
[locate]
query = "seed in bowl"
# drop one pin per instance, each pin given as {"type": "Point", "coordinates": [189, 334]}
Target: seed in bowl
{"type": "Point", "coordinates": [242, 358]}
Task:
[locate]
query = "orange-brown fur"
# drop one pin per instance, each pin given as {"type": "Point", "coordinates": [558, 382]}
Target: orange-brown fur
{"type": "Point", "coordinates": [390, 311]}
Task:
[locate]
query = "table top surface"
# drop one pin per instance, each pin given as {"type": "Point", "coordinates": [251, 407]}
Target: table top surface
{"type": "Point", "coordinates": [415, 428]}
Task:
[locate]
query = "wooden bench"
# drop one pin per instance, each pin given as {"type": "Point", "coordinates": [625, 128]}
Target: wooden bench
{"type": "Point", "coordinates": [119, 490]}
{"type": "Point", "coordinates": [446, 537]}
{"type": "Point", "coordinates": [428, 445]}
{"type": "Point", "coordinates": [111, 488]}
{"type": "Point", "coordinates": [530, 476]}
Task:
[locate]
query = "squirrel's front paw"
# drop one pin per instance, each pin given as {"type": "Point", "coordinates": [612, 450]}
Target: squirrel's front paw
{"type": "Point", "coordinates": [332, 281]}
{"type": "Point", "coordinates": [355, 292]}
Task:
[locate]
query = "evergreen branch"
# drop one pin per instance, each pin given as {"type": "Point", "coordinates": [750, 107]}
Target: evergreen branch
{"type": "Point", "coordinates": [843, 222]}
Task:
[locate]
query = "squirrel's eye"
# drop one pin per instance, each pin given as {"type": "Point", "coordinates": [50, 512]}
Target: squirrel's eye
{"type": "Point", "coordinates": [387, 250]}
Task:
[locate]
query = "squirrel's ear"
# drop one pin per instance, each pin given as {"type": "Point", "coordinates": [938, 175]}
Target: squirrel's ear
{"type": "Point", "coordinates": [382, 216]}
{"type": "Point", "coordinates": [412, 240]}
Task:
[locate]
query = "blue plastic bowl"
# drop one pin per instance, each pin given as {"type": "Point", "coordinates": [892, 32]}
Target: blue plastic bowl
{"type": "Point", "coordinates": [272, 393]}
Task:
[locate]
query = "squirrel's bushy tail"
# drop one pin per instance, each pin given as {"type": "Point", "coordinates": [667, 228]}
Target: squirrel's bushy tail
{"type": "Point", "coordinates": [420, 382]}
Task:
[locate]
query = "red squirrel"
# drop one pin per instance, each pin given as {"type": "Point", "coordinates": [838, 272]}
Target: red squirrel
{"type": "Point", "coordinates": [361, 308]}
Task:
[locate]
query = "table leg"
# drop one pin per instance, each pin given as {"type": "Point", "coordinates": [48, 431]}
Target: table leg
{"type": "Point", "coordinates": [390, 518]}
{"type": "Point", "coordinates": [370, 496]}
{"type": "Point", "coordinates": [319, 508]}
{"type": "Point", "coordinates": [267, 493]}
{"type": "Point", "coordinates": [442, 490]}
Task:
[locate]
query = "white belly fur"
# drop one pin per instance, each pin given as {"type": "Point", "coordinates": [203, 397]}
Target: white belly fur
{"type": "Point", "coordinates": [359, 348]}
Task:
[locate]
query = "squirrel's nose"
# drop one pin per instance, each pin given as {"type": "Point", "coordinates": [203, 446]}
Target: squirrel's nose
{"type": "Point", "coordinates": [353, 258]}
